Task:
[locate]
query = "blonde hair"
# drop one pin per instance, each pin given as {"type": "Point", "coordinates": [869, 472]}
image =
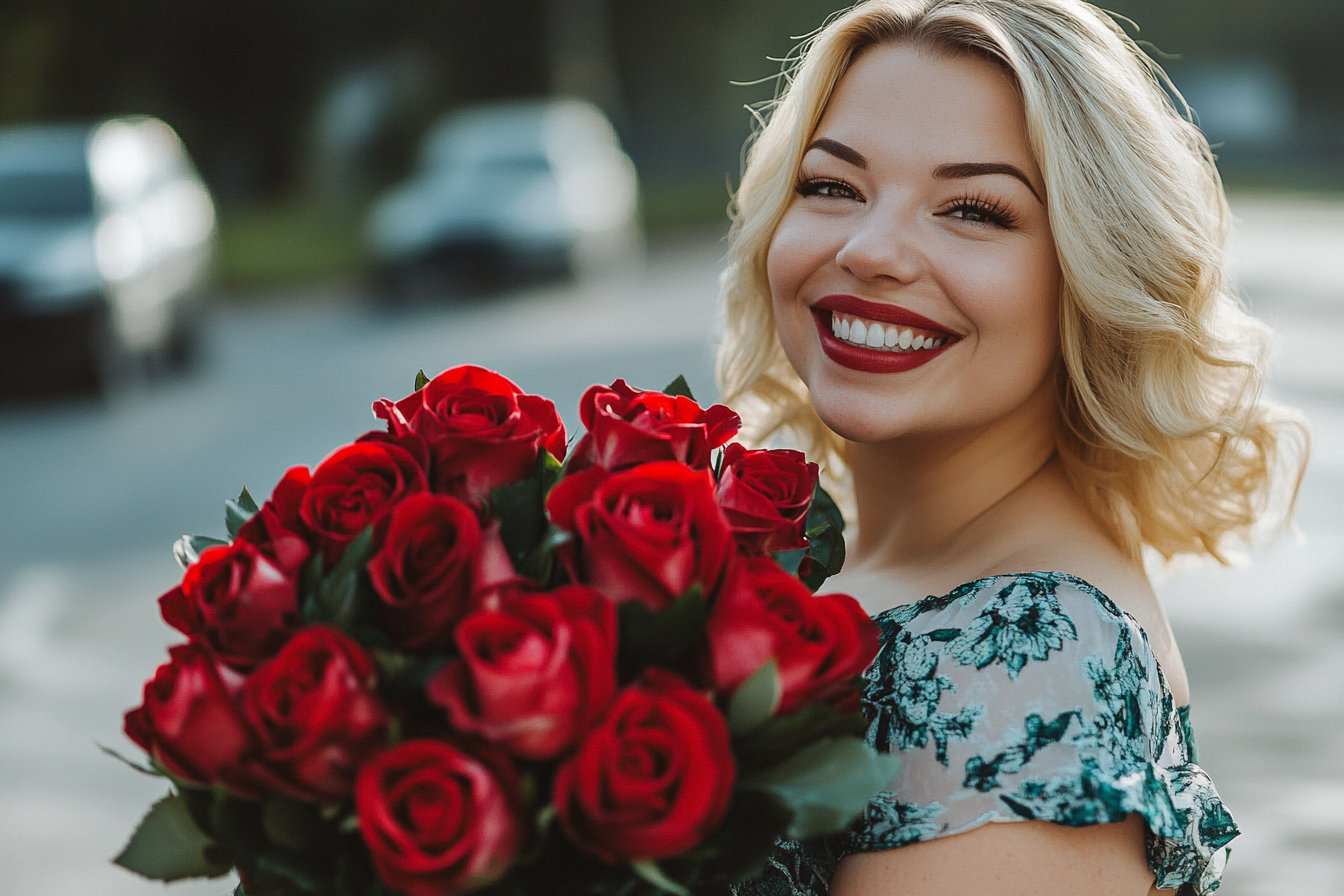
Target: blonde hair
{"type": "Point", "coordinates": [1165, 435]}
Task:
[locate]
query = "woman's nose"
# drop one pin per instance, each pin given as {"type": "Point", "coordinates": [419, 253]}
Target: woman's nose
{"type": "Point", "coordinates": [882, 245]}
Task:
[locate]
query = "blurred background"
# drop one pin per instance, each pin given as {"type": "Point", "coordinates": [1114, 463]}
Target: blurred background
{"type": "Point", "coordinates": [225, 228]}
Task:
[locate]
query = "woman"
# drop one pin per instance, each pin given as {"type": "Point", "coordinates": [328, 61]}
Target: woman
{"type": "Point", "coordinates": [977, 263]}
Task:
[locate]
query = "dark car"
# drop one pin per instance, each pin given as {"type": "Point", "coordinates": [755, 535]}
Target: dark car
{"type": "Point", "coordinates": [106, 234]}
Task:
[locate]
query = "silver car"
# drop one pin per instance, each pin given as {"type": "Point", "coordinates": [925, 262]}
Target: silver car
{"type": "Point", "coordinates": [106, 235]}
{"type": "Point", "coordinates": [508, 191]}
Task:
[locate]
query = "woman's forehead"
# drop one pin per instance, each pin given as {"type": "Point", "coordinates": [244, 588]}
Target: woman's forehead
{"type": "Point", "coordinates": [901, 103]}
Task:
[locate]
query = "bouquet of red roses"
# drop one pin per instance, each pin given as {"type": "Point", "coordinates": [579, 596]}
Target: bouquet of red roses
{"type": "Point", "coordinates": [447, 660]}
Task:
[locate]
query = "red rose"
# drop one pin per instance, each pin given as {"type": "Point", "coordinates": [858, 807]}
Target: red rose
{"type": "Point", "coordinates": [534, 674]}
{"type": "Point", "coordinates": [356, 487]}
{"type": "Point", "coordinates": [627, 427]}
{"type": "Point", "coordinates": [648, 533]}
{"type": "Point", "coordinates": [654, 779]}
{"type": "Point", "coordinates": [237, 601]}
{"type": "Point", "coordinates": [482, 430]}
{"type": "Point", "coordinates": [436, 820]}
{"type": "Point", "coordinates": [820, 642]}
{"type": "Point", "coordinates": [423, 571]}
{"type": "Point", "coordinates": [314, 712]}
{"type": "Point", "coordinates": [190, 721]}
{"type": "Point", "coordinates": [277, 529]}
{"type": "Point", "coordinates": [765, 496]}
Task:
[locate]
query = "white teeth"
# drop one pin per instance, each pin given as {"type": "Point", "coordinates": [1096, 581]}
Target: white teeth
{"type": "Point", "coordinates": [876, 336]}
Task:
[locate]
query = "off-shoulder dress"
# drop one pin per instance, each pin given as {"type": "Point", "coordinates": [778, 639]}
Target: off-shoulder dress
{"type": "Point", "coordinates": [1027, 696]}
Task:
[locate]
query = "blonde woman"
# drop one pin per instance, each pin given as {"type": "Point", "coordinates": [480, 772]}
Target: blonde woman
{"type": "Point", "coordinates": [977, 265]}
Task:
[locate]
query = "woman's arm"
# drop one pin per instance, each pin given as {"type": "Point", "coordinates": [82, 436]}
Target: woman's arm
{"type": "Point", "coordinates": [1020, 858]}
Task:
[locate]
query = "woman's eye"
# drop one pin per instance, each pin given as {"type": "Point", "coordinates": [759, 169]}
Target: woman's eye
{"type": "Point", "coordinates": [833, 189]}
{"type": "Point", "coordinates": [977, 213]}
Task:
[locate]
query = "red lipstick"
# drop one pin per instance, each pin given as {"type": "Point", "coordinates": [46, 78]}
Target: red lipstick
{"type": "Point", "coordinates": [846, 354]}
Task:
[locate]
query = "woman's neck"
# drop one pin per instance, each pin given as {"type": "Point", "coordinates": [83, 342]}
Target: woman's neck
{"type": "Point", "coordinates": [928, 499]}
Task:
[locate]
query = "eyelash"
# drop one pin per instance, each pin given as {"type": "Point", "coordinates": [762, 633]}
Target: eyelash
{"type": "Point", "coordinates": [995, 213]}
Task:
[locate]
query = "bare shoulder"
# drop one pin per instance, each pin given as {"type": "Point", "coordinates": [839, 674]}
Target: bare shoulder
{"type": "Point", "coordinates": [1021, 857]}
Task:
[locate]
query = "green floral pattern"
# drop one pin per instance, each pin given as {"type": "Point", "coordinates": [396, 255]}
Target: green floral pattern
{"type": "Point", "coordinates": [1029, 696]}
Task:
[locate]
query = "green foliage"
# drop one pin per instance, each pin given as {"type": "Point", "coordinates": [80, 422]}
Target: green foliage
{"type": "Point", "coordinates": [756, 700]}
{"type": "Point", "coordinates": [238, 511]}
{"type": "Point", "coordinates": [825, 527]}
{"type": "Point", "coordinates": [421, 381]}
{"type": "Point", "coordinates": [679, 387]}
{"type": "Point", "coordinates": [168, 846]}
{"type": "Point", "coordinates": [826, 784]}
{"type": "Point", "coordinates": [342, 595]}
{"type": "Point", "coordinates": [781, 736]}
{"type": "Point", "coordinates": [521, 510]}
{"type": "Point", "coordinates": [665, 638]}
{"type": "Point", "coordinates": [187, 549]}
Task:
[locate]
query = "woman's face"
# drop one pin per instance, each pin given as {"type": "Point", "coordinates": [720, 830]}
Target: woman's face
{"type": "Point", "coordinates": [914, 277]}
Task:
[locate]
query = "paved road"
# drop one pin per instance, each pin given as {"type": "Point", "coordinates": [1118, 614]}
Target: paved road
{"type": "Point", "coordinates": [93, 497]}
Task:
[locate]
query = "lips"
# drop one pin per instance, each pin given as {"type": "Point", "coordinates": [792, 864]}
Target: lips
{"type": "Point", "coordinates": [888, 358]}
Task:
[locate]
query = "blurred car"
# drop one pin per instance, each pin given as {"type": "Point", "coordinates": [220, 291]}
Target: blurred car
{"type": "Point", "coordinates": [505, 192]}
{"type": "Point", "coordinates": [106, 234]}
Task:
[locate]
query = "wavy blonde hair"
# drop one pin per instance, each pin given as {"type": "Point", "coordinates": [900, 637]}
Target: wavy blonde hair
{"type": "Point", "coordinates": [1165, 434]}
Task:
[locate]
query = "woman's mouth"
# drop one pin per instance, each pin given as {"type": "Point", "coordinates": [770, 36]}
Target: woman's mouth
{"type": "Point", "coordinates": [875, 337]}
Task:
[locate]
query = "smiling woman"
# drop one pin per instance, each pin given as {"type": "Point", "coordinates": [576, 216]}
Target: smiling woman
{"type": "Point", "coordinates": [977, 264]}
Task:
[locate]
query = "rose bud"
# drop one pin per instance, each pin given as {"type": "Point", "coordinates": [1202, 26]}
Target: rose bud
{"type": "Point", "coordinates": [649, 533]}
{"type": "Point", "coordinates": [765, 496]}
{"type": "Point", "coordinates": [533, 675]}
{"type": "Point", "coordinates": [436, 820]}
{"type": "Point", "coordinates": [820, 642]}
{"type": "Point", "coordinates": [654, 779]}
{"type": "Point", "coordinates": [627, 427]}
{"type": "Point", "coordinates": [356, 487]}
{"type": "Point", "coordinates": [237, 601]}
{"type": "Point", "coordinates": [277, 529]}
{"type": "Point", "coordinates": [482, 430]}
{"type": "Point", "coordinates": [190, 721]}
{"type": "Point", "coordinates": [315, 714]}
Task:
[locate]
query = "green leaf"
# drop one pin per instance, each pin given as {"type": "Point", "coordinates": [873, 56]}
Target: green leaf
{"type": "Point", "coordinates": [782, 736]}
{"type": "Point", "coordinates": [168, 845]}
{"type": "Point", "coordinates": [654, 875]}
{"type": "Point", "coordinates": [827, 783]}
{"type": "Point", "coordinates": [825, 538]}
{"type": "Point", "coordinates": [338, 598]}
{"type": "Point", "coordinates": [790, 560]}
{"type": "Point", "coordinates": [520, 508]}
{"type": "Point", "coordinates": [539, 565]}
{"type": "Point", "coordinates": [238, 511]}
{"type": "Point", "coordinates": [421, 381]}
{"type": "Point", "coordinates": [756, 699]}
{"type": "Point", "coordinates": [302, 872]}
{"type": "Point", "coordinates": [679, 386]}
{"type": "Point", "coordinates": [187, 549]}
{"type": "Point", "coordinates": [662, 638]}
{"type": "Point", "coordinates": [292, 824]}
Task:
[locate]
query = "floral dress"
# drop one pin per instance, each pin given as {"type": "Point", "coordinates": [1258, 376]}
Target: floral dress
{"type": "Point", "coordinates": [1016, 697]}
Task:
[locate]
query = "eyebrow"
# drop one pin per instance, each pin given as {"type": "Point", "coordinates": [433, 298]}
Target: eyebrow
{"type": "Point", "coordinates": [950, 171]}
{"type": "Point", "coordinates": [958, 170]}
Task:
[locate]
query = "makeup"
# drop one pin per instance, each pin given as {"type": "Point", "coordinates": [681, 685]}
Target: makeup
{"type": "Point", "coordinates": [870, 359]}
